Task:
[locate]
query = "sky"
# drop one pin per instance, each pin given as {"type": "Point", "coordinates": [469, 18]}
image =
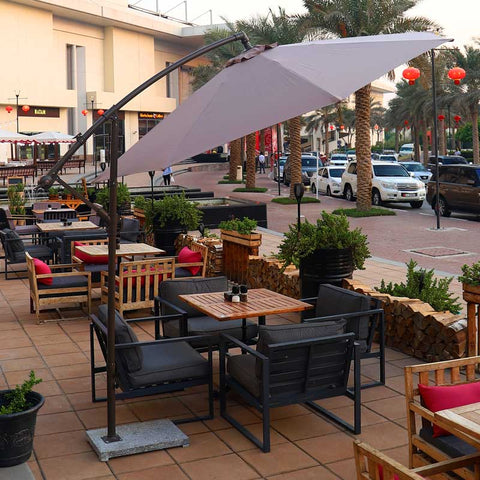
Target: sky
{"type": "Point", "coordinates": [459, 18]}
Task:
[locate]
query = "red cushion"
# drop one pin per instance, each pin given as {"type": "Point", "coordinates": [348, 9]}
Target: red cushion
{"type": "Point", "coordinates": [443, 397]}
{"type": "Point", "coordinates": [380, 473]}
{"type": "Point", "coordinates": [85, 257]}
{"type": "Point", "coordinates": [41, 268]}
{"type": "Point", "coordinates": [189, 256]}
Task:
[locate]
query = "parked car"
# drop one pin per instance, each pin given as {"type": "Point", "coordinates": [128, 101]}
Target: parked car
{"type": "Point", "coordinates": [407, 151]}
{"type": "Point", "coordinates": [419, 171]}
{"type": "Point", "coordinates": [309, 166]}
{"type": "Point", "coordinates": [391, 182]}
{"type": "Point", "coordinates": [281, 164]}
{"type": "Point", "coordinates": [459, 187]}
{"type": "Point", "coordinates": [388, 158]}
{"type": "Point", "coordinates": [338, 159]}
{"type": "Point", "coordinates": [328, 180]}
{"type": "Point", "coordinates": [446, 160]}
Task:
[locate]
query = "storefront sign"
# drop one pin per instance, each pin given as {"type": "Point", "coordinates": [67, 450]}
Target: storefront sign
{"type": "Point", "coordinates": [151, 115]}
{"type": "Point", "coordinates": [51, 112]}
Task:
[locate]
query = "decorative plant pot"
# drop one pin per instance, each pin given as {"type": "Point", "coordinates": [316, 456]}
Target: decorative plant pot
{"type": "Point", "coordinates": [253, 240]}
{"type": "Point", "coordinates": [17, 431]}
{"type": "Point", "coordinates": [53, 197]}
{"type": "Point", "coordinates": [164, 237]}
{"type": "Point", "coordinates": [471, 293]}
{"type": "Point", "coordinates": [325, 265]}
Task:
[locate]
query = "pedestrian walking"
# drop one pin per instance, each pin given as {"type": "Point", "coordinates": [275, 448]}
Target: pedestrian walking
{"type": "Point", "coordinates": [167, 174]}
{"type": "Point", "coordinates": [261, 162]}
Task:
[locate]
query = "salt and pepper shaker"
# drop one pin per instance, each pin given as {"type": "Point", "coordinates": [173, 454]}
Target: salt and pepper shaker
{"type": "Point", "coordinates": [235, 293]}
{"type": "Point", "coordinates": [243, 293]}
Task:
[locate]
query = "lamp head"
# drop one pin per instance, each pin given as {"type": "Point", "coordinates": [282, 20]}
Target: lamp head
{"type": "Point", "coordinates": [151, 173]}
{"type": "Point", "coordinates": [298, 190]}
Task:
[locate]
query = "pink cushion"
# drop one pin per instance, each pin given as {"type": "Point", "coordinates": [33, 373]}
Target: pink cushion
{"type": "Point", "coordinates": [41, 268]}
{"type": "Point", "coordinates": [85, 257]}
{"type": "Point", "coordinates": [443, 397]}
{"type": "Point", "coordinates": [380, 473]}
{"type": "Point", "coordinates": [189, 256]}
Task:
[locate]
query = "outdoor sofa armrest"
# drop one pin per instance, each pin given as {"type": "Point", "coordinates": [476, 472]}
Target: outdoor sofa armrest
{"type": "Point", "coordinates": [181, 315]}
{"type": "Point", "coordinates": [64, 265]}
{"type": "Point", "coordinates": [164, 341]}
{"type": "Point", "coordinates": [340, 316]}
{"type": "Point", "coordinates": [228, 339]}
{"type": "Point", "coordinates": [64, 274]}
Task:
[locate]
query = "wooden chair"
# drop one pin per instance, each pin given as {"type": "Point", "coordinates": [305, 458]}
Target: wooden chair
{"type": "Point", "coordinates": [182, 269]}
{"type": "Point", "coordinates": [68, 286]}
{"type": "Point", "coordinates": [423, 446]}
{"type": "Point", "coordinates": [138, 283]}
{"type": "Point", "coordinates": [372, 464]}
{"type": "Point", "coordinates": [94, 268]}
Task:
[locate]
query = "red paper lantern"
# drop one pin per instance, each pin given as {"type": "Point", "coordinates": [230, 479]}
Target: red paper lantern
{"type": "Point", "coordinates": [411, 74]}
{"type": "Point", "coordinates": [375, 127]}
{"type": "Point", "coordinates": [342, 127]}
{"type": "Point", "coordinates": [84, 112]}
{"type": "Point", "coordinates": [441, 118]}
{"type": "Point", "coordinates": [331, 127]}
{"type": "Point", "coordinates": [100, 112]}
{"type": "Point", "coordinates": [457, 118]}
{"type": "Point", "coordinates": [456, 74]}
{"type": "Point", "coordinates": [25, 108]}
{"type": "Point", "coordinates": [8, 108]}
{"type": "Point", "coordinates": [405, 123]}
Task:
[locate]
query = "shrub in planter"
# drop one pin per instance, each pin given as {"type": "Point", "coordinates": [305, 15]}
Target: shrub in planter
{"type": "Point", "coordinates": [470, 279]}
{"type": "Point", "coordinates": [18, 414]}
{"type": "Point", "coordinates": [244, 226]}
{"type": "Point", "coordinates": [123, 198]}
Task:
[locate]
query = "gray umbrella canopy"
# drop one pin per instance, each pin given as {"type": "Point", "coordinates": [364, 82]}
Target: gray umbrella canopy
{"type": "Point", "coordinates": [271, 87]}
{"type": "Point", "coordinates": [13, 137]}
{"type": "Point", "coordinates": [52, 137]}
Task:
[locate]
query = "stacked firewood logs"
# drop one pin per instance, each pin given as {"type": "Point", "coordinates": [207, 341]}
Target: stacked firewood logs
{"type": "Point", "coordinates": [215, 255]}
{"type": "Point", "coordinates": [414, 328]}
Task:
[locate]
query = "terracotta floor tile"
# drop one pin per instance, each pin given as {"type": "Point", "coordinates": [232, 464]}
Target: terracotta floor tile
{"type": "Point", "coordinates": [390, 370]}
{"type": "Point", "coordinates": [305, 426]}
{"type": "Point", "coordinates": [159, 408]}
{"type": "Point", "coordinates": [238, 442]}
{"type": "Point", "coordinates": [193, 427]}
{"type": "Point", "coordinates": [55, 404]}
{"type": "Point", "coordinates": [35, 469]}
{"type": "Point", "coordinates": [391, 354]}
{"type": "Point", "coordinates": [83, 400]}
{"type": "Point", "coordinates": [334, 402]}
{"type": "Point", "coordinates": [30, 363]}
{"type": "Point", "coordinates": [244, 415]}
{"type": "Point", "coordinates": [71, 371]}
{"type": "Point", "coordinates": [15, 342]}
{"type": "Point", "coordinates": [345, 469]}
{"type": "Point", "coordinates": [18, 376]}
{"type": "Point", "coordinates": [76, 385]}
{"type": "Point", "coordinates": [397, 384]}
{"type": "Point", "coordinates": [400, 454]}
{"type": "Point", "coordinates": [217, 423]}
{"type": "Point", "coordinates": [392, 408]}
{"type": "Point", "coordinates": [328, 448]}
{"type": "Point", "coordinates": [376, 393]}
{"type": "Point", "coordinates": [141, 461]}
{"type": "Point", "coordinates": [313, 473]}
{"type": "Point", "coordinates": [48, 389]}
{"type": "Point", "coordinates": [57, 422]}
{"type": "Point", "coordinates": [197, 402]}
{"type": "Point", "coordinates": [202, 445]}
{"type": "Point", "coordinates": [367, 416]}
{"type": "Point", "coordinates": [288, 411]}
{"type": "Point", "coordinates": [167, 472]}
{"type": "Point", "coordinates": [58, 348]}
{"type": "Point", "coordinates": [384, 435]}
{"type": "Point", "coordinates": [23, 352]}
{"type": "Point", "coordinates": [50, 339]}
{"type": "Point", "coordinates": [97, 417]}
{"type": "Point", "coordinates": [74, 467]}
{"type": "Point", "coordinates": [64, 359]}
{"type": "Point", "coordinates": [228, 466]}
{"type": "Point", "coordinates": [59, 444]}
{"type": "Point", "coordinates": [283, 458]}
{"type": "Point", "coordinates": [44, 329]}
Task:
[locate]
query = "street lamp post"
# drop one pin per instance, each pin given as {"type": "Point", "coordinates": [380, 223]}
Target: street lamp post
{"type": "Point", "coordinates": [435, 140]}
{"type": "Point", "coordinates": [298, 190]}
{"type": "Point", "coordinates": [152, 174]}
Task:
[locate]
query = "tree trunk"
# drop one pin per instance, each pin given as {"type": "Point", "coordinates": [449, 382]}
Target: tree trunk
{"type": "Point", "coordinates": [474, 114]}
{"type": "Point", "coordinates": [417, 143]}
{"type": "Point", "coordinates": [362, 148]}
{"type": "Point", "coordinates": [235, 158]}
{"type": "Point", "coordinates": [250, 183]}
{"type": "Point", "coordinates": [327, 149]}
{"type": "Point", "coordinates": [295, 157]}
{"type": "Point", "coordinates": [262, 141]}
{"type": "Point", "coordinates": [397, 139]}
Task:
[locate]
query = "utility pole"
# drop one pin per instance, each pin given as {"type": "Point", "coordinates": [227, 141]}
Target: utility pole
{"type": "Point", "coordinates": [17, 98]}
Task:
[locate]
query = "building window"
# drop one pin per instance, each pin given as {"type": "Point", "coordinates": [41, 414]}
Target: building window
{"type": "Point", "coordinates": [70, 67]}
{"type": "Point", "coordinates": [144, 125]}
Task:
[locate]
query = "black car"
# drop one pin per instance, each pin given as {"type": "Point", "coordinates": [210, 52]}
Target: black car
{"type": "Point", "coordinates": [446, 160]}
{"type": "Point", "coordinates": [459, 187]}
{"type": "Point", "coordinates": [309, 166]}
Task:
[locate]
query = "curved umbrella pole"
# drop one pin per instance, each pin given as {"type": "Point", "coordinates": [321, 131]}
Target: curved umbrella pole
{"type": "Point", "coordinates": [111, 217]}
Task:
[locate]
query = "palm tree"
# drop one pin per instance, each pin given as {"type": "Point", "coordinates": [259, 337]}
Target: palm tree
{"type": "Point", "coordinates": [347, 18]}
{"type": "Point", "coordinates": [282, 29]}
{"type": "Point", "coordinates": [468, 94]}
{"type": "Point", "coordinates": [321, 119]}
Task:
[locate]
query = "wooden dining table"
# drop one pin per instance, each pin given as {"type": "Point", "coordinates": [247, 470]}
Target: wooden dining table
{"type": "Point", "coordinates": [464, 422]}
{"type": "Point", "coordinates": [124, 250]}
{"type": "Point", "coordinates": [261, 302]}
{"type": "Point", "coordinates": [60, 226]}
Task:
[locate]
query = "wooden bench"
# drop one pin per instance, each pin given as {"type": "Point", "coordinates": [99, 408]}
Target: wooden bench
{"type": "Point", "coordinates": [75, 163]}
{"type": "Point", "coordinates": [25, 172]}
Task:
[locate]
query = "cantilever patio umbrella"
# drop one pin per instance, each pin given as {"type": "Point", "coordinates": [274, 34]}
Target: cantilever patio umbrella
{"type": "Point", "coordinates": [273, 86]}
{"type": "Point", "coordinates": [13, 138]}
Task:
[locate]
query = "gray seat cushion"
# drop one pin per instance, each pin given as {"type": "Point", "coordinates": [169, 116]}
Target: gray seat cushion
{"type": "Point", "coordinates": [181, 272]}
{"type": "Point", "coordinates": [170, 289]}
{"type": "Point", "coordinates": [167, 363]}
{"type": "Point", "coordinates": [449, 444]}
{"type": "Point", "coordinates": [95, 270]}
{"type": "Point", "coordinates": [131, 358]}
{"type": "Point", "coordinates": [65, 282]}
{"type": "Point", "coordinates": [14, 242]}
{"type": "Point", "coordinates": [242, 369]}
{"type": "Point", "coordinates": [27, 229]}
{"type": "Point", "coordinates": [334, 300]}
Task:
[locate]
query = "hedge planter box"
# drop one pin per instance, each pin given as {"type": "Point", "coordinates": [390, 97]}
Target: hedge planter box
{"type": "Point", "coordinates": [17, 431]}
{"type": "Point", "coordinates": [237, 248]}
{"type": "Point", "coordinates": [471, 293]}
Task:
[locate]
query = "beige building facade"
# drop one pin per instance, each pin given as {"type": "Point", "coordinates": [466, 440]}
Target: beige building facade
{"type": "Point", "coordinates": [65, 57]}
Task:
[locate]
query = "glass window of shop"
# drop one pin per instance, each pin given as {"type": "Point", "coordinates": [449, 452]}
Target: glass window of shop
{"type": "Point", "coordinates": [147, 121]}
{"type": "Point", "coordinates": [102, 140]}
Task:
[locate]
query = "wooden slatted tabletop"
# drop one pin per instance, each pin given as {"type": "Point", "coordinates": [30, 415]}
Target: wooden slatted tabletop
{"type": "Point", "coordinates": [126, 249]}
{"type": "Point", "coordinates": [59, 226]}
{"type": "Point", "coordinates": [464, 419]}
{"type": "Point", "coordinates": [260, 302]}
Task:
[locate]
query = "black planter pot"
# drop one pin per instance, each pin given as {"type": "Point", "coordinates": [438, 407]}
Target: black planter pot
{"type": "Point", "coordinates": [164, 237]}
{"type": "Point", "coordinates": [17, 431]}
{"type": "Point", "coordinates": [325, 265]}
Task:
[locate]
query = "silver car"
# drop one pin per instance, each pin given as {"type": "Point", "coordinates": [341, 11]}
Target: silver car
{"type": "Point", "coordinates": [418, 170]}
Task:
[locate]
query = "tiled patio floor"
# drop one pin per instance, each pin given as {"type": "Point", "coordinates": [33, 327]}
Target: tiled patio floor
{"type": "Point", "coordinates": [304, 445]}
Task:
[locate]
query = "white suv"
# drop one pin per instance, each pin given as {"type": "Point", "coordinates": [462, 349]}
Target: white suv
{"type": "Point", "coordinates": [391, 182]}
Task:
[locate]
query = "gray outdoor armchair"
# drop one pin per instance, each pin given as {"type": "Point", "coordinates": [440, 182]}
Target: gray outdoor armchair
{"type": "Point", "coordinates": [292, 364]}
{"type": "Point", "coordinates": [364, 317]}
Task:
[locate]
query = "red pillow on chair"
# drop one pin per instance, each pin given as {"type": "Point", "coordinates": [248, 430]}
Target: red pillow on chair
{"type": "Point", "coordinates": [448, 396]}
{"type": "Point", "coordinates": [85, 257]}
{"type": "Point", "coordinates": [41, 268]}
{"type": "Point", "coordinates": [380, 473]}
{"type": "Point", "coordinates": [189, 256]}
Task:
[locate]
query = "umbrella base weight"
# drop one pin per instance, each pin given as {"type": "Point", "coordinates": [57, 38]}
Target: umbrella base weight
{"type": "Point", "coordinates": [137, 438]}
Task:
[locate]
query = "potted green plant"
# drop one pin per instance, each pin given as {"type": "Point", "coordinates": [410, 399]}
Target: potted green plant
{"type": "Point", "coordinates": [16, 201]}
{"type": "Point", "coordinates": [18, 414]}
{"type": "Point", "coordinates": [470, 279]}
{"type": "Point", "coordinates": [53, 193]}
{"type": "Point", "coordinates": [240, 231]}
{"type": "Point", "coordinates": [325, 252]}
{"type": "Point", "coordinates": [168, 217]}
{"type": "Point", "coordinates": [123, 199]}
